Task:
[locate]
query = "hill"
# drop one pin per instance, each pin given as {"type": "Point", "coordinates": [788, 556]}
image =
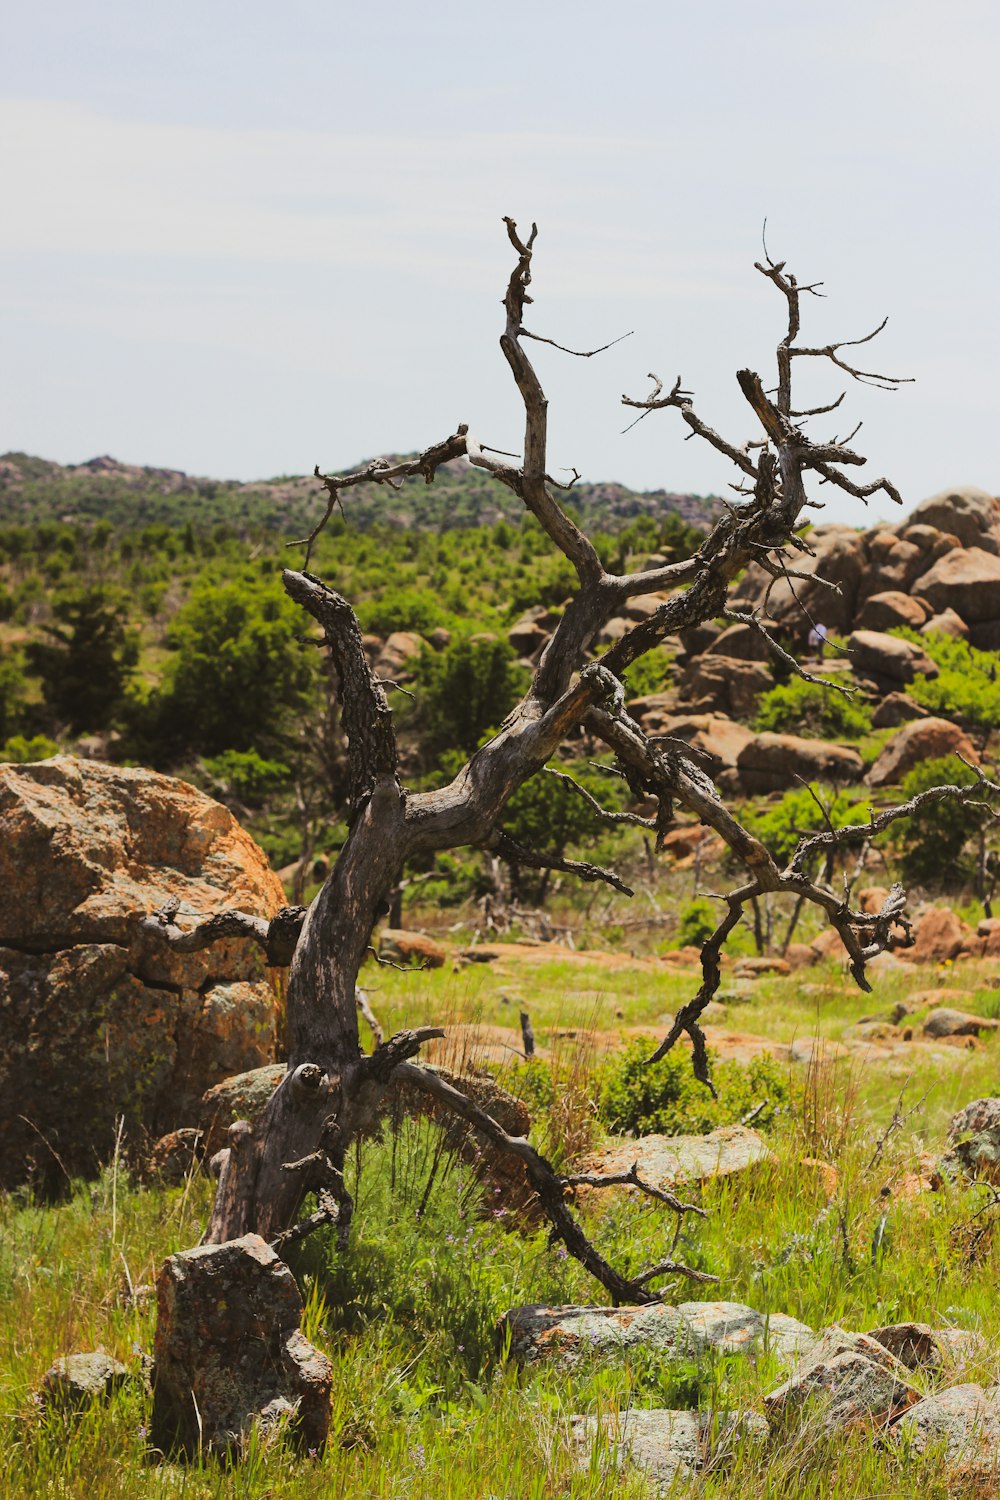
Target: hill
{"type": "Point", "coordinates": [103, 489]}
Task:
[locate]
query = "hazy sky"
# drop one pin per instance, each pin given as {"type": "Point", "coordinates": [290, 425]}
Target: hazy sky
{"type": "Point", "coordinates": [241, 238]}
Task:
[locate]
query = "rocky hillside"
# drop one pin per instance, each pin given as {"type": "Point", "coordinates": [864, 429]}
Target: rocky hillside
{"type": "Point", "coordinates": [33, 489]}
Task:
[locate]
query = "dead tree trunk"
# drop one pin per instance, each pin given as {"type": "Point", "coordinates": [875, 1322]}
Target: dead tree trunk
{"type": "Point", "coordinates": [332, 1089]}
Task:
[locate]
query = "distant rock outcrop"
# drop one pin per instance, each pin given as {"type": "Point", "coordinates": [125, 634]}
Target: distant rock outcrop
{"type": "Point", "coordinates": [98, 1019]}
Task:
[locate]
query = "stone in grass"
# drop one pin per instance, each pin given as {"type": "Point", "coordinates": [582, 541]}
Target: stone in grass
{"type": "Point", "coordinates": [229, 1355]}
{"type": "Point", "coordinates": [857, 1380]}
{"type": "Point", "coordinates": [962, 1423]}
{"type": "Point", "coordinates": [668, 1445]}
{"type": "Point", "coordinates": [75, 1380]}
{"type": "Point", "coordinates": [568, 1334]}
{"type": "Point", "coordinates": [974, 1141]}
{"type": "Point", "coordinates": [947, 1022]}
{"type": "Point", "coordinates": [670, 1159]}
{"type": "Point", "coordinates": [918, 1346]}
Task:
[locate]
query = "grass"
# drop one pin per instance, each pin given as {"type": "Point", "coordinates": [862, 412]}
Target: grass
{"type": "Point", "coordinates": [424, 1402]}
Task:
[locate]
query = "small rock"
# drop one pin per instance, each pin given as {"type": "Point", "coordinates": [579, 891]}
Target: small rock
{"type": "Point", "coordinates": [974, 1141]}
{"type": "Point", "coordinates": [175, 1157]}
{"type": "Point", "coordinates": [896, 709]}
{"type": "Point", "coordinates": [918, 1346]}
{"type": "Point", "coordinates": [946, 1022]}
{"type": "Point", "coordinates": [402, 947]}
{"type": "Point", "coordinates": [75, 1380]}
{"type": "Point", "coordinates": [963, 1421]}
{"type": "Point", "coordinates": [229, 1353]}
{"type": "Point", "coordinates": [814, 1051]}
{"type": "Point", "coordinates": [669, 1445]}
{"type": "Point", "coordinates": [752, 968]}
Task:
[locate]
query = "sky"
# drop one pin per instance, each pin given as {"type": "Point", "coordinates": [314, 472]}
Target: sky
{"type": "Point", "coordinates": [241, 239]}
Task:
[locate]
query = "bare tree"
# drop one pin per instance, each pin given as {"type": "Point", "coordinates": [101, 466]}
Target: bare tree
{"type": "Point", "coordinates": [332, 1090]}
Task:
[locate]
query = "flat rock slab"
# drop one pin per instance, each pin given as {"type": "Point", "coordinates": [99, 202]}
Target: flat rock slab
{"type": "Point", "coordinates": [75, 1380]}
{"type": "Point", "coordinates": [668, 1444]}
{"type": "Point", "coordinates": [672, 1159]}
{"type": "Point", "coordinates": [229, 1355]}
{"type": "Point", "coordinates": [963, 1423]}
{"type": "Point", "coordinates": [568, 1334]}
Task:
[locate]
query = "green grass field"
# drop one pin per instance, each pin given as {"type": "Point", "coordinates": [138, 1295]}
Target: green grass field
{"type": "Point", "coordinates": [425, 1404]}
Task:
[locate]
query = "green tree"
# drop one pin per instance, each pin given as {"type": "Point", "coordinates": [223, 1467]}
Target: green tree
{"type": "Point", "coordinates": [240, 673]}
{"type": "Point", "coordinates": [800, 707]}
{"type": "Point", "coordinates": [464, 692]}
{"type": "Point", "coordinates": [87, 661]}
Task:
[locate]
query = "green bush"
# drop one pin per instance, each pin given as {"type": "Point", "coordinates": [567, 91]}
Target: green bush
{"type": "Point", "coordinates": [464, 691]}
{"type": "Point", "coordinates": [20, 750]}
{"type": "Point", "coordinates": [698, 921]}
{"type": "Point", "coordinates": [930, 842]}
{"type": "Point", "coordinates": [966, 687]}
{"type": "Point", "coordinates": [779, 827]}
{"type": "Point", "coordinates": [247, 775]}
{"type": "Point", "coordinates": [665, 1098]}
{"type": "Point", "coordinates": [800, 707]}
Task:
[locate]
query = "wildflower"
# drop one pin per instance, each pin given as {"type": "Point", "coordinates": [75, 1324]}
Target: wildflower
{"type": "Point", "coordinates": [416, 1455]}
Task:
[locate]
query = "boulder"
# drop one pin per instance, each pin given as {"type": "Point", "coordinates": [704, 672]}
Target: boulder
{"type": "Point", "coordinates": [773, 762]}
{"type": "Point", "coordinates": [175, 1157]}
{"type": "Point", "coordinates": [961, 1423]}
{"type": "Point", "coordinates": [939, 936]}
{"type": "Point", "coordinates": [964, 580]}
{"type": "Point", "coordinates": [98, 1017]}
{"type": "Point", "coordinates": [229, 1355]}
{"type": "Point", "coordinates": [887, 659]}
{"type": "Point", "coordinates": [871, 899]}
{"type": "Point", "coordinates": [890, 611]}
{"type": "Point", "coordinates": [974, 1142]}
{"type": "Point", "coordinates": [753, 967]}
{"type": "Point", "coordinates": [947, 1022]}
{"type": "Point", "coordinates": [75, 1381]}
{"type": "Point", "coordinates": [718, 684]}
{"type": "Point", "coordinates": [400, 946]}
{"type": "Point", "coordinates": [839, 558]}
{"type": "Point", "coordinates": [966, 512]}
{"type": "Point", "coordinates": [718, 738]}
{"type": "Point", "coordinates": [641, 606]}
{"type": "Point", "coordinates": [864, 1385]}
{"type": "Point", "coordinates": [919, 741]}
{"type": "Point", "coordinates": [667, 1159]}
{"type": "Point", "coordinates": [946, 623]}
{"type": "Point", "coordinates": [246, 1096]}
{"type": "Point", "coordinates": [667, 1445]}
{"type": "Point", "coordinates": [741, 643]}
{"type": "Point", "coordinates": [918, 1346]}
{"type": "Point", "coordinates": [896, 709]}
{"type": "Point", "coordinates": [527, 636]}
{"type": "Point", "coordinates": [565, 1335]}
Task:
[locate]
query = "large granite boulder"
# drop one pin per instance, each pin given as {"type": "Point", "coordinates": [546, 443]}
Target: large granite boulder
{"type": "Point", "coordinates": [965, 580]}
{"type": "Point", "coordinates": [890, 611]}
{"type": "Point", "coordinates": [773, 762]}
{"type": "Point", "coordinates": [966, 512]}
{"type": "Point", "coordinates": [839, 558]}
{"type": "Point", "coordinates": [887, 659]}
{"type": "Point", "coordinates": [722, 684]}
{"type": "Point", "coordinates": [99, 1019]}
{"type": "Point", "coordinates": [919, 741]}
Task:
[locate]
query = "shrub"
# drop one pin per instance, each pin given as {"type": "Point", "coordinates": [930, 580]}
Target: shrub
{"type": "Point", "coordinates": [21, 750]}
{"type": "Point", "coordinates": [247, 775]}
{"type": "Point", "coordinates": [464, 691]}
{"type": "Point", "coordinates": [931, 841]}
{"type": "Point", "coordinates": [800, 707]}
{"type": "Point", "coordinates": [697, 923]}
{"type": "Point", "coordinates": [966, 687]}
{"type": "Point", "coordinates": [781, 826]}
{"type": "Point", "coordinates": [665, 1098]}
